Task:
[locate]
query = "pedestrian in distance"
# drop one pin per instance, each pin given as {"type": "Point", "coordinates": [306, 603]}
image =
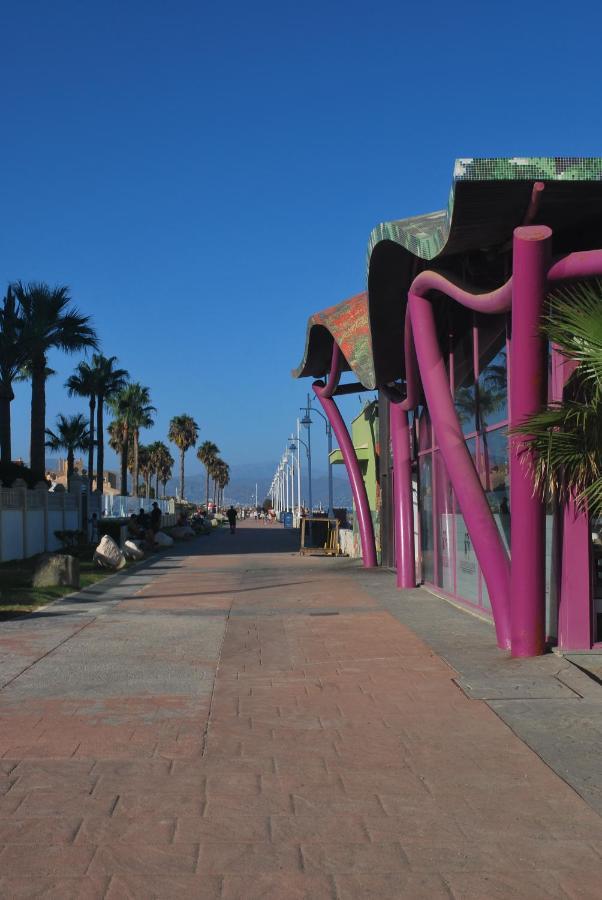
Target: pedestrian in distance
{"type": "Point", "coordinates": [155, 518]}
{"type": "Point", "coordinates": [231, 515]}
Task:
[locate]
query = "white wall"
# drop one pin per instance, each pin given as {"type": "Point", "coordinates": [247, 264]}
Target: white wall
{"type": "Point", "coordinates": [43, 513]}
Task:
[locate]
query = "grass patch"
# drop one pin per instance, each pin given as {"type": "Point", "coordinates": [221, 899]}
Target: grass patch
{"type": "Point", "coordinates": [18, 597]}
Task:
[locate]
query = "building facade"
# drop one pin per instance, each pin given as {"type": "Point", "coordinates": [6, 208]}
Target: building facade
{"type": "Point", "coordinates": [449, 334]}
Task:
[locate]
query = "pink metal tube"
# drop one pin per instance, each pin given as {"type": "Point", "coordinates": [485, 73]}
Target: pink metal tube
{"type": "Point", "coordinates": [334, 376]}
{"type": "Point", "coordinates": [485, 536]}
{"type": "Point", "coordinates": [531, 257]}
{"type": "Point", "coordinates": [402, 497]}
{"type": "Point", "coordinates": [358, 488]}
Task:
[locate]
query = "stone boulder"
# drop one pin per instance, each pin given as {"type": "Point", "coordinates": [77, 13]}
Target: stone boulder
{"type": "Point", "coordinates": [53, 569]}
{"type": "Point", "coordinates": [108, 555]}
{"type": "Point", "coordinates": [131, 550]}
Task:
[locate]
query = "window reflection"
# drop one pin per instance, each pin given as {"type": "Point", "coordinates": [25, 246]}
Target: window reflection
{"type": "Point", "coordinates": [464, 386]}
{"type": "Point", "coordinates": [492, 390]}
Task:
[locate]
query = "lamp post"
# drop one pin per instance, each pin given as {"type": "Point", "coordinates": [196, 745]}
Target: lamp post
{"type": "Point", "coordinates": [307, 421]}
{"type": "Point", "coordinates": [295, 444]}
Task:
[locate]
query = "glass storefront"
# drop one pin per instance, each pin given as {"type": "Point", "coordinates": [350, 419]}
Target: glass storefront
{"type": "Point", "coordinates": [478, 382]}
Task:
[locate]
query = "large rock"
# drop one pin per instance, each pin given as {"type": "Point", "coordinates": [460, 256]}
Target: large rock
{"type": "Point", "coordinates": [131, 550]}
{"type": "Point", "coordinates": [56, 569]}
{"type": "Point", "coordinates": [108, 555]}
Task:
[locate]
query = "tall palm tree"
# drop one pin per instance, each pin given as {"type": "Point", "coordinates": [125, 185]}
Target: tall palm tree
{"type": "Point", "coordinates": [71, 434]}
{"type": "Point", "coordinates": [223, 480]}
{"type": "Point", "coordinates": [145, 466]}
{"type": "Point", "coordinates": [132, 407]}
{"type": "Point", "coordinates": [161, 461]}
{"type": "Point", "coordinates": [13, 354]}
{"type": "Point", "coordinates": [83, 384]}
{"type": "Point", "coordinates": [206, 454]}
{"type": "Point", "coordinates": [183, 432]}
{"type": "Point", "coordinates": [566, 437]}
{"type": "Point", "coordinates": [50, 322]}
{"type": "Point", "coordinates": [109, 381]}
{"type": "Point", "coordinates": [119, 441]}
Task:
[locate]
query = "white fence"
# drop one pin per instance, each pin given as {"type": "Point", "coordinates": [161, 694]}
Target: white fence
{"type": "Point", "coordinates": [30, 518]}
{"type": "Point", "coordinates": [116, 507]}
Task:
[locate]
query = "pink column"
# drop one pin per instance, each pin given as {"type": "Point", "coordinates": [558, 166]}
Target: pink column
{"type": "Point", "coordinates": [403, 512]}
{"type": "Point", "coordinates": [528, 364]}
{"type": "Point", "coordinates": [358, 488]}
{"type": "Point", "coordinates": [575, 607]}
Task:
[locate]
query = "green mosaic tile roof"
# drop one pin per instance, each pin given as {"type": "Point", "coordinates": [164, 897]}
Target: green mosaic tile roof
{"type": "Point", "coordinates": [427, 235]}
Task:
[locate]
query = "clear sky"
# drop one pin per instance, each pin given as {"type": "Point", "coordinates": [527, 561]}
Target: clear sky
{"type": "Point", "coordinates": [205, 176]}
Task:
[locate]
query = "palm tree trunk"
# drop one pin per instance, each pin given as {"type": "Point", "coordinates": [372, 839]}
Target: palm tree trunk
{"type": "Point", "coordinates": [156, 485]}
{"type": "Point", "coordinates": [100, 445]}
{"type": "Point", "coordinates": [70, 465]}
{"type": "Point", "coordinates": [181, 474]}
{"type": "Point", "coordinates": [6, 396]}
{"type": "Point", "coordinates": [37, 458]}
{"type": "Point", "coordinates": [135, 465]}
{"type": "Point", "coordinates": [124, 462]}
{"type": "Point", "coordinates": [91, 447]}
{"type": "Point", "coordinates": [147, 481]}
{"type": "Point", "coordinates": [207, 500]}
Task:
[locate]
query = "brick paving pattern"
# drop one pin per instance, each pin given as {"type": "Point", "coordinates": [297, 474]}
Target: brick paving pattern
{"type": "Point", "coordinates": [250, 724]}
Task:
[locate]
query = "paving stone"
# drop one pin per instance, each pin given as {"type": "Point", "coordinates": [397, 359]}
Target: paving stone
{"type": "Point", "coordinates": [208, 737]}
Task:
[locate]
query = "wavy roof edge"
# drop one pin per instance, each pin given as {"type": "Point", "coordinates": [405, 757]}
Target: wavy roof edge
{"type": "Point", "coordinates": [347, 324]}
{"type": "Point", "coordinates": [426, 236]}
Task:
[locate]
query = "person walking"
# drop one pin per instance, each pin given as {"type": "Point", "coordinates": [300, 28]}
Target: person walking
{"type": "Point", "coordinates": [231, 515]}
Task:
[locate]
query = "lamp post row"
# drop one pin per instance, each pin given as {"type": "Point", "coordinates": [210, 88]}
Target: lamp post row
{"type": "Point", "coordinates": [282, 490]}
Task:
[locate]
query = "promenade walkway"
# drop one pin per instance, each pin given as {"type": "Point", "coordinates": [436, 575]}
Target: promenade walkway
{"type": "Point", "coordinates": [235, 721]}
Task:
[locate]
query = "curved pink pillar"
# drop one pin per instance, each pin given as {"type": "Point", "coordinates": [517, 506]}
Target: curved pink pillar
{"type": "Point", "coordinates": [528, 364]}
{"type": "Point", "coordinates": [483, 531]}
{"type": "Point", "coordinates": [403, 503]}
{"type": "Point", "coordinates": [358, 488]}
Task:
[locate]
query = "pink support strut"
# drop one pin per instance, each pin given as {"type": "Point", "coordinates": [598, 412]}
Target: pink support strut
{"type": "Point", "coordinates": [528, 392]}
{"type": "Point", "coordinates": [483, 531]}
{"type": "Point", "coordinates": [403, 512]}
{"type": "Point", "coordinates": [358, 488]}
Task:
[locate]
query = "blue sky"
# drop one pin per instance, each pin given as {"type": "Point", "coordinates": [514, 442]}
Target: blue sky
{"type": "Point", "coordinates": [204, 178]}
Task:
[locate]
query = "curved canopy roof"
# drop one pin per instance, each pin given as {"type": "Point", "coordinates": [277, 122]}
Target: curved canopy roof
{"type": "Point", "coordinates": [489, 198]}
{"type": "Point", "coordinates": [347, 324]}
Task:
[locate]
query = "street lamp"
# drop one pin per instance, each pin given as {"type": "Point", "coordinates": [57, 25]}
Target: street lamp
{"type": "Point", "coordinates": [307, 421]}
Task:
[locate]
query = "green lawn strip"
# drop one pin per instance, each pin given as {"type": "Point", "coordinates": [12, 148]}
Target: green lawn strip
{"type": "Point", "coordinates": [17, 596]}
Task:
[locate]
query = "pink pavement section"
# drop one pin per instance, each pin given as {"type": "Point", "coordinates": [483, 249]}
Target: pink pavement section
{"type": "Point", "coordinates": [329, 756]}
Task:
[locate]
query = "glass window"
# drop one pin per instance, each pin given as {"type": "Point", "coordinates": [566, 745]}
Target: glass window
{"type": "Point", "coordinates": [493, 405]}
{"type": "Point", "coordinates": [492, 464]}
{"type": "Point", "coordinates": [467, 571]}
{"type": "Point", "coordinates": [426, 518]}
{"type": "Point", "coordinates": [464, 384]}
{"type": "Point", "coordinates": [445, 526]}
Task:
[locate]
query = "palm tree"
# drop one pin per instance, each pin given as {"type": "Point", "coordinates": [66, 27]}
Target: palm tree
{"type": "Point", "coordinates": [109, 381]}
{"type": "Point", "coordinates": [183, 432]}
{"type": "Point", "coordinates": [83, 384]}
{"type": "Point", "coordinates": [72, 434]}
{"type": "Point", "coordinates": [119, 441]}
{"type": "Point", "coordinates": [132, 407]}
{"type": "Point", "coordinates": [223, 480]}
{"type": "Point", "coordinates": [206, 454]}
{"type": "Point", "coordinates": [566, 437]}
{"type": "Point", "coordinates": [145, 467]}
{"type": "Point", "coordinates": [13, 354]}
{"type": "Point", "coordinates": [161, 461]}
{"type": "Point", "coordinates": [49, 322]}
